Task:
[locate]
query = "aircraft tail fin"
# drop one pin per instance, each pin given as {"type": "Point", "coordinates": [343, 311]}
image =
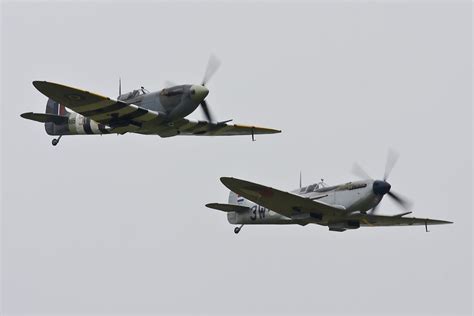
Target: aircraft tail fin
{"type": "Point", "coordinates": [234, 198]}
{"type": "Point", "coordinates": [55, 119]}
{"type": "Point", "coordinates": [53, 107]}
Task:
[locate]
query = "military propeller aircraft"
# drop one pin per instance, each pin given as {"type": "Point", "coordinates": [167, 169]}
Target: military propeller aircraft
{"type": "Point", "coordinates": [140, 111]}
{"type": "Point", "coordinates": [340, 207]}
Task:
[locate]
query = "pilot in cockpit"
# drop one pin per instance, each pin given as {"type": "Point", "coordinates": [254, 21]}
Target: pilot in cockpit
{"type": "Point", "coordinates": [133, 94]}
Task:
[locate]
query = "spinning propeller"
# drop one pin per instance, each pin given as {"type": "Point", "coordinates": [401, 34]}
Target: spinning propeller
{"type": "Point", "coordinates": [382, 187]}
{"type": "Point", "coordinates": [211, 69]}
{"type": "Point", "coordinates": [199, 92]}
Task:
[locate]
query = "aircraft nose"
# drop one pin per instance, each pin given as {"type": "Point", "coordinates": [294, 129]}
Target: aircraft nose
{"type": "Point", "coordinates": [199, 93]}
{"type": "Point", "coordinates": [381, 187]}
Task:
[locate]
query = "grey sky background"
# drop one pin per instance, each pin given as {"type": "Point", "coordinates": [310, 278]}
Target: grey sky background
{"type": "Point", "coordinates": [117, 224]}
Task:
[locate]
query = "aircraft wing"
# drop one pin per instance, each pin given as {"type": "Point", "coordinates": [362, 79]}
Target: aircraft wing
{"type": "Point", "coordinates": [284, 203]}
{"type": "Point", "coordinates": [383, 220]}
{"type": "Point", "coordinates": [192, 127]}
{"type": "Point", "coordinates": [120, 116]}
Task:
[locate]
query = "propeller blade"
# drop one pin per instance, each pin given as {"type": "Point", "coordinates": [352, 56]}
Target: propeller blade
{"type": "Point", "coordinates": [360, 172]}
{"type": "Point", "coordinates": [211, 69]}
{"type": "Point", "coordinates": [207, 113]}
{"type": "Point", "coordinates": [403, 202]}
{"type": "Point", "coordinates": [392, 158]}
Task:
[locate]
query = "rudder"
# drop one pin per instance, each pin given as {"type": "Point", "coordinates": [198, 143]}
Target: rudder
{"type": "Point", "coordinates": [54, 108]}
{"type": "Point", "coordinates": [233, 197]}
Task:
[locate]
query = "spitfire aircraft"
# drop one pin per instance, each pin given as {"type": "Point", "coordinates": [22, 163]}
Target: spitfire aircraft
{"type": "Point", "coordinates": [340, 207]}
{"type": "Point", "coordinates": [140, 111]}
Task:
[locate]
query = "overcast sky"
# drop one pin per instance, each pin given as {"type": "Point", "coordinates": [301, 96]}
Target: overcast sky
{"type": "Point", "coordinates": [117, 224]}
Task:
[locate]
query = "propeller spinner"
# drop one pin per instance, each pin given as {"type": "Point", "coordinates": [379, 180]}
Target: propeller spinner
{"type": "Point", "coordinates": [200, 92]}
{"type": "Point", "coordinates": [382, 187]}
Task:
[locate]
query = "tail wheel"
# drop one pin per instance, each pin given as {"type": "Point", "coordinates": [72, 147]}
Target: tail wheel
{"type": "Point", "coordinates": [55, 141]}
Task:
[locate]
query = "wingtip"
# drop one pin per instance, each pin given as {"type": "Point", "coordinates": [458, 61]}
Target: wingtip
{"type": "Point", "coordinates": [229, 182]}
{"type": "Point", "coordinates": [36, 83]}
{"type": "Point", "coordinates": [439, 222]}
{"type": "Point", "coordinates": [225, 179]}
{"type": "Point", "coordinates": [40, 85]}
{"type": "Point", "coordinates": [272, 131]}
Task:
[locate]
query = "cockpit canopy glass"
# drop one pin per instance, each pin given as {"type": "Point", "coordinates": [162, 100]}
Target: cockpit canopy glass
{"type": "Point", "coordinates": [320, 187]}
{"type": "Point", "coordinates": [310, 188]}
{"type": "Point", "coordinates": [133, 94]}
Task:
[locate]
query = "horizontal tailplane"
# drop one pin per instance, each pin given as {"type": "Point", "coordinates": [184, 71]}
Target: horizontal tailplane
{"type": "Point", "coordinates": [227, 207]}
{"type": "Point", "coordinates": [45, 118]}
